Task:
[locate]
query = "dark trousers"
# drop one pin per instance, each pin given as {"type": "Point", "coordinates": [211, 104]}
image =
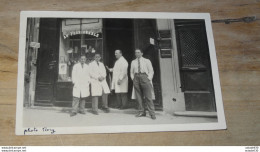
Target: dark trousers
{"type": "Point", "coordinates": [95, 102]}
{"type": "Point", "coordinates": [121, 99]}
{"type": "Point", "coordinates": [78, 104]}
{"type": "Point", "coordinates": [143, 89]}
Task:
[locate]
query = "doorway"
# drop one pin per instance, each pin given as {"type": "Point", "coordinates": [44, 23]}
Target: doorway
{"type": "Point", "coordinates": [126, 35]}
{"type": "Point", "coordinates": [119, 34]}
{"type": "Point", "coordinates": [145, 31]}
{"type": "Point", "coordinates": [47, 62]}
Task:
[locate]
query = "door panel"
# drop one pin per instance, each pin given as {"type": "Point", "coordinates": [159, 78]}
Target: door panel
{"type": "Point", "coordinates": [144, 30]}
{"type": "Point", "coordinates": [191, 82]}
{"type": "Point", "coordinates": [47, 61]}
{"type": "Point", "coordinates": [195, 68]}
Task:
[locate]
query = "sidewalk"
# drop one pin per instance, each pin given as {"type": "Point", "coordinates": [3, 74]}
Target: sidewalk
{"type": "Point", "coordinates": [59, 117]}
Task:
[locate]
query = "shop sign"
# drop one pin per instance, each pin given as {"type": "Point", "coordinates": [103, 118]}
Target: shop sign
{"type": "Point", "coordinates": [80, 32]}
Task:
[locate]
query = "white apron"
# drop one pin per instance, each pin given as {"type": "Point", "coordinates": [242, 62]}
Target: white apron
{"type": "Point", "coordinates": [96, 71]}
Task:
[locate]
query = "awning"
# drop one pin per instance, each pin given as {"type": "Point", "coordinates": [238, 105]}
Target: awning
{"type": "Point", "coordinates": [91, 26]}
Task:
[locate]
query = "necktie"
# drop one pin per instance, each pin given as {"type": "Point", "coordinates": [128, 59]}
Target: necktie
{"type": "Point", "coordinates": [97, 63]}
{"type": "Point", "coordinates": [139, 66]}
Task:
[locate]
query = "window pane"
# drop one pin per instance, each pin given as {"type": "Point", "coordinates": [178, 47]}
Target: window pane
{"type": "Point", "coordinates": [72, 46]}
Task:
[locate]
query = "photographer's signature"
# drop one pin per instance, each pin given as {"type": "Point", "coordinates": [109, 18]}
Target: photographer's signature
{"type": "Point", "coordinates": [43, 129]}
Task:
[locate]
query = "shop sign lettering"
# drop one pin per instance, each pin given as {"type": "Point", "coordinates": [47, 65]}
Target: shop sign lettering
{"type": "Point", "coordinates": [80, 32]}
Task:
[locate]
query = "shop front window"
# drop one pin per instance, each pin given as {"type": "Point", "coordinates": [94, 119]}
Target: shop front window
{"type": "Point", "coordinates": [78, 37]}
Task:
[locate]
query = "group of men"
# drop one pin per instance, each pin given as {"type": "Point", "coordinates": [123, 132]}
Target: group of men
{"type": "Point", "coordinates": [94, 75]}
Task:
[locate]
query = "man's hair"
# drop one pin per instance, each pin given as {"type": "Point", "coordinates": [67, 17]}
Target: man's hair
{"type": "Point", "coordinates": [140, 50]}
{"type": "Point", "coordinates": [79, 57]}
{"type": "Point", "coordinates": [97, 53]}
{"type": "Point", "coordinates": [119, 51]}
{"type": "Point", "coordinates": [82, 55]}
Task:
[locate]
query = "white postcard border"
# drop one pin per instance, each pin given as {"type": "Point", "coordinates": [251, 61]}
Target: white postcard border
{"type": "Point", "coordinates": [20, 130]}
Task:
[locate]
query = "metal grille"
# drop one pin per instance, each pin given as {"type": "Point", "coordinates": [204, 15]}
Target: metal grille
{"type": "Point", "coordinates": [192, 51]}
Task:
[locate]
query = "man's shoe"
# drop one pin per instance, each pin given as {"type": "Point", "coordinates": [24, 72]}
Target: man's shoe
{"type": "Point", "coordinates": [106, 110]}
{"type": "Point", "coordinates": [141, 114]}
{"type": "Point", "coordinates": [122, 108]}
{"type": "Point", "coordinates": [95, 112]}
{"type": "Point", "coordinates": [153, 117]}
{"type": "Point", "coordinates": [118, 107]}
{"type": "Point", "coordinates": [82, 112]}
{"type": "Point", "coordinates": [73, 114]}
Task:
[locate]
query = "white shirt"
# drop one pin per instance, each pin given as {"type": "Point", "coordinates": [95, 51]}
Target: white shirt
{"type": "Point", "coordinates": [145, 67]}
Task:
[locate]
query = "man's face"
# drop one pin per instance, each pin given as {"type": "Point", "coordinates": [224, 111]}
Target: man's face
{"type": "Point", "coordinates": [82, 59]}
{"type": "Point", "coordinates": [138, 54]}
{"type": "Point", "coordinates": [118, 54]}
{"type": "Point", "coordinates": [97, 57]}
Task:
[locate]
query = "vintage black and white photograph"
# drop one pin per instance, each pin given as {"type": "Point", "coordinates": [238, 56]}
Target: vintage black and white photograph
{"type": "Point", "coordinates": [108, 72]}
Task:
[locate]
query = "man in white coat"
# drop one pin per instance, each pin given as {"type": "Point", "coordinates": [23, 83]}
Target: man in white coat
{"type": "Point", "coordinates": [99, 85]}
{"type": "Point", "coordinates": [80, 80]}
{"type": "Point", "coordinates": [142, 74]}
{"type": "Point", "coordinates": [120, 80]}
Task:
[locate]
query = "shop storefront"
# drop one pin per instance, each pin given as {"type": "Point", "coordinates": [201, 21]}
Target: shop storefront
{"type": "Point", "coordinates": [77, 37]}
{"type": "Point", "coordinates": [178, 51]}
{"type": "Point", "coordinates": [64, 40]}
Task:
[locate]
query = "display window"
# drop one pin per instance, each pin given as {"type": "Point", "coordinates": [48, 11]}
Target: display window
{"type": "Point", "coordinates": [78, 37]}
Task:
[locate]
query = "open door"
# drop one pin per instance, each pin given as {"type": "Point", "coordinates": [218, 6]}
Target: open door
{"type": "Point", "coordinates": [118, 34]}
{"type": "Point", "coordinates": [146, 30]}
{"type": "Point", "coordinates": [47, 61]}
{"type": "Point", "coordinates": [195, 66]}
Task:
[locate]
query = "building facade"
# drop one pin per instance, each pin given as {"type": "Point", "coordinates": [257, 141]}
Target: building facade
{"type": "Point", "coordinates": [178, 51]}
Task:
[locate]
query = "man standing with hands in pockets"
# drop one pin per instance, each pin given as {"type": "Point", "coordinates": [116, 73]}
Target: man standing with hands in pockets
{"type": "Point", "coordinates": [120, 80]}
{"type": "Point", "coordinates": [142, 75]}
